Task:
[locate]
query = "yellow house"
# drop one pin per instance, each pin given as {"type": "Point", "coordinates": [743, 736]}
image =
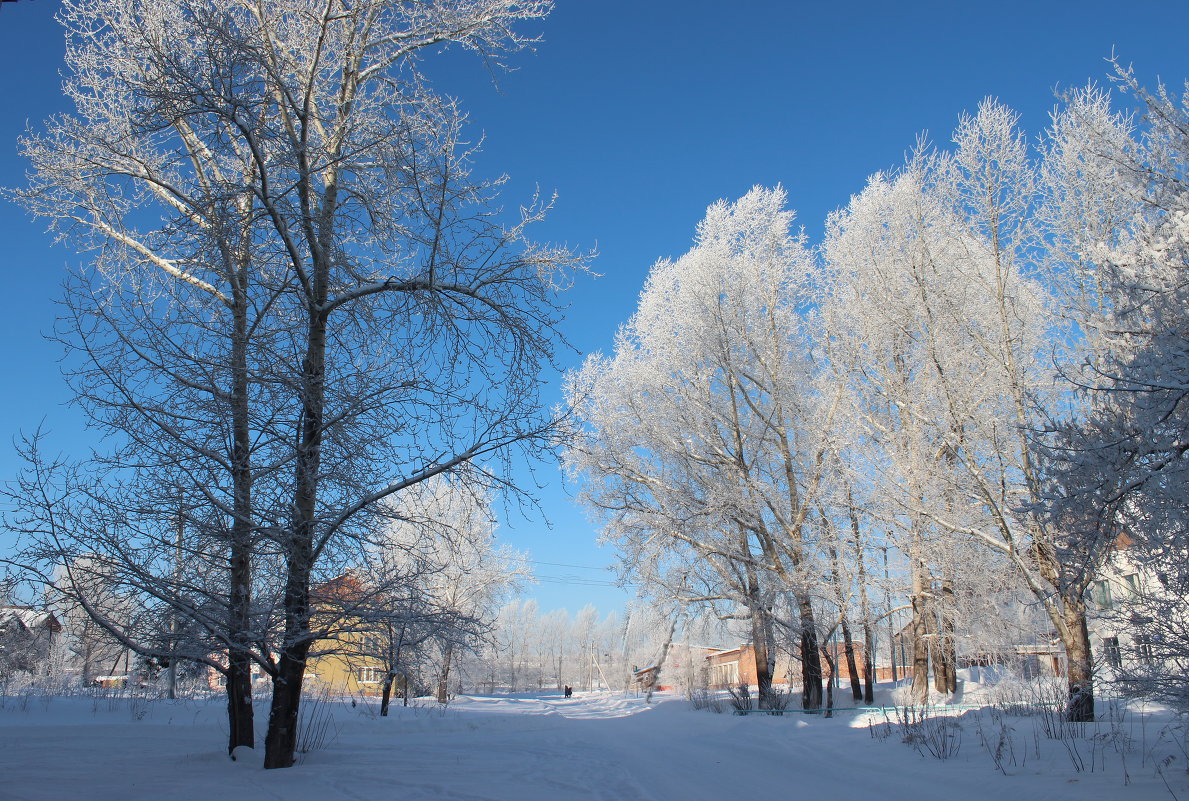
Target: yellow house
{"type": "Point", "coordinates": [348, 663]}
{"type": "Point", "coordinates": [353, 665]}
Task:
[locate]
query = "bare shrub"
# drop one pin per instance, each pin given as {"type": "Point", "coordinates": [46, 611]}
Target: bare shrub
{"type": "Point", "coordinates": [940, 737]}
{"type": "Point", "coordinates": [997, 739]}
{"type": "Point", "coordinates": [701, 698]}
{"type": "Point", "coordinates": [316, 727]}
{"type": "Point", "coordinates": [776, 700]}
{"type": "Point", "coordinates": [740, 699]}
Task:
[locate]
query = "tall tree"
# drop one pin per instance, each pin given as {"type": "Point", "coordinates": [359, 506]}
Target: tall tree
{"type": "Point", "coordinates": [1118, 207]}
{"type": "Point", "coordinates": [960, 375]}
{"type": "Point", "coordinates": [447, 530]}
{"type": "Point", "coordinates": [310, 188]}
{"type": "Point", "coordinates": [701, 430]}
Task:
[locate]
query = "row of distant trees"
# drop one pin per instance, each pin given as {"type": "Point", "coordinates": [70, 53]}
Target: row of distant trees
{"type": "Point", "coordinates": [430, 584]}
{"type": "Point", "coordinates": [533, 650]}
{"type": "Point", "coordinates": [978, 377]}
{"type": "Point", "coordinates": [298, 306]}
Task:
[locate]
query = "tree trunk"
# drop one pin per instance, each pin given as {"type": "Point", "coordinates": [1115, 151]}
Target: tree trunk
{"type": "Point", "coordinates": [856, 689]}
{"type": "Point", "coordinates": [811, 661]}
{"type": "Point", "coordinates": [626, 665]}
{"type": "Point", "coordinates": [891, 619]}
{"type": "Point", "coordinates": [868, 664]}
{"type": "Point", "coordinates": [945, 661]}
{"type": "Point", "coordinates": [940, 668]}
{"type": "Point", "coordinates": [1076, 640]}
{"type": "Point", "coordinates": [920, 627]}
{"type": "Point", "coordinates": [280, 743]}
{"type": "Point", "coordinates": [88, 657]}
{"type": "Point", "coordinates": [240, 715]}
{"type": "Point", "coordinates": [386, 694]}
{"type": "Point", "coordinates": [660, 664]}
{"type": "Point", "coordinates": [829, 709]}
{"type": "Point", "coordinates": [172, 669]}
{"type": "Point", "coordinates": [444, 678]}
{"type": "Point", "coordinates": [864, 604]}
{"type": "Point", "coordinates": [760, 647]}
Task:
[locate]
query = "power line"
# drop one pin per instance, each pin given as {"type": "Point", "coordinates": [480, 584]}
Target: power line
{"type": "Point", "coordinates": [576, 580]}
{"type": "Point", "coordinates": [563, 564]}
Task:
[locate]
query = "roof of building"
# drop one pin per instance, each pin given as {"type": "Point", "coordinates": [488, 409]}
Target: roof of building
{"type": "Point", "coordinates": [27, 618]}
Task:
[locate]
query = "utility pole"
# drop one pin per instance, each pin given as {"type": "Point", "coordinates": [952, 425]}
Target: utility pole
{"type": "Point", "coordinates": [600, 669]}
{"type": "Point", "coordinates": [887, 594]}
{"type": "Point", "coordinates": [173, 618]}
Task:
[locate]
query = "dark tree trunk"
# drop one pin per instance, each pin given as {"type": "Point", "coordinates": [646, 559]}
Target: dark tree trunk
{"type": "Point", "coordinates": [868, 664]}
{"type": "Point", "coordinates": [864, 604]}
{"type": "Point", "coordinates": [945, 667]}
{"type": "Point", "coordinates": [1081, 667]}
{"type": "Point", "coordinates": [856, 688]}
{"type": "Point", "coordinates": [386, 694]}
{"type": "Point", "coordinates": [760, 650]}
{"type": "Point", "coordinates": [829, 709]}
{"type": "Point", "coordinates": [940, 677]}
{"type": "Point", "coordinates": [444, 678]}
{"type": "Point", "coordinates": [280, 743]}
{"type": "Point", "coordinates": [240, 714]}
{"type": "Point", "coordinates": [88, 657]}
{"type": "Point", "coordinates": [920, 581]}
{"type": "Point", "coordinates": [760, 628]}
{"type": "Point", "coordinates": [660, 663]}
{"type": "Point", "coordinates": [1068, 614]}
{"type": "Point", "coordinates": [811, 661]}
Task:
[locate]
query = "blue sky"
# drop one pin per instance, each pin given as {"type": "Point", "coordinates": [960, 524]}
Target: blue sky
{"type": "Point", "coordinates": [639, 115]}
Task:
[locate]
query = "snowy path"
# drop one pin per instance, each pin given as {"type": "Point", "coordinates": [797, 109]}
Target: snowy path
{"type": "Point", "coordinates": [601, 748]}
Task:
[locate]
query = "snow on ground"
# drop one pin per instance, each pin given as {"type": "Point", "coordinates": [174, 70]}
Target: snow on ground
{"type": "Point", "coordinates": [539, 748]}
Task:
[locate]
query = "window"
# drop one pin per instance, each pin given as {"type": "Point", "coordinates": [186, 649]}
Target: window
{"type": "Point", "coordinates": [726, 674]}
{"type": "Point", "coordinates": [1100, 594]}
{"type": "Point", "coordinates": [1131, 585]}
{"type": "Point", "coordinates": [1110, 647]}
{"type": "Point", "coordinates": [1143, 649]}
{"type": "Point", "coordinates": [370, 675]}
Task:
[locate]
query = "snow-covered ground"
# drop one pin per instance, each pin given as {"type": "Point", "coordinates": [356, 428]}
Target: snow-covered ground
{"type": "Point", "coordinates": [548, 748]}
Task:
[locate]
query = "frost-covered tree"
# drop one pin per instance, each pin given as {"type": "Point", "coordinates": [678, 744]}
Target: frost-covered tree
{"type": "Point", "coordinates": [428, 584]}
{"type": "Point", "coordinates": [1119, 208]}
{"type": "Point", "coordinates": [879, 342]}
{"type": "Point", "coordinates": [469, 576]}
{"type": "Point", "coordinates": [275, 190]}
{"type": "Point", "coordinates": [701, 430]}
{"type": "Point", "coordinates": [944, 329]}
